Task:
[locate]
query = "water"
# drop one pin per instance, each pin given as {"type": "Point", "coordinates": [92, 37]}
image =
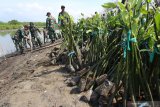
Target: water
{"type": "Point", "coordinates": [6, 43]}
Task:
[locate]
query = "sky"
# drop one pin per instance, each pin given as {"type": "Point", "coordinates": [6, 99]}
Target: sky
{"type": "Point", "coordinates": [35, 10]}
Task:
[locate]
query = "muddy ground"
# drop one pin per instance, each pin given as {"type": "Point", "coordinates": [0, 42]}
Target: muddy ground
{"type": "Point", "coordinates": [28, 80]}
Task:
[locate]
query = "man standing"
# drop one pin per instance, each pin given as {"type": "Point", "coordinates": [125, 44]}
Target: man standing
{"type": "Point", "coordinates": [63, 17]}
{"type": "Point", "coordinates": [50, 25]}
{"type": "Point", "coordinates": [63, 20]}
{"type": "Point", "coordinates": [35, 35]}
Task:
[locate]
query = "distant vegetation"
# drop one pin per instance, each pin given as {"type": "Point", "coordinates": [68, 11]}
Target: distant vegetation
{"type": "Point", "coordinates": [14, 24]}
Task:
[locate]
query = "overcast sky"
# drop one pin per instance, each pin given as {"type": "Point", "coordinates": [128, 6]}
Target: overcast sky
{"type": "Point", "coordinates": [35, 10]}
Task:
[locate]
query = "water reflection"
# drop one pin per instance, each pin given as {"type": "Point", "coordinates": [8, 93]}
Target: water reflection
{"type": "Point", "coordinates": [6, 43]}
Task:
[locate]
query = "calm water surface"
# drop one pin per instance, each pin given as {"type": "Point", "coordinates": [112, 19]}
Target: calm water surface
{"type": "Point", "coordinates": [6, 44]}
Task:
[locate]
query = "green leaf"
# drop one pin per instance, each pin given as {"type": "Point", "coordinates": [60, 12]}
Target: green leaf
{"type": "Point", "coordinates": [134, 29]}
{"type": "Point", "coordinates": [109, 5]}
{"type": "Point", "coordinates": [121, 6]}
{"type": "Point", "coordinates": [125, 17]}
{"type": "Point", "coordinates": [157, 20]}
{"type": "Point", "coordinates": [132, 3]}
{"type": "Point", "coordinates": [144, 11]}
{"type": "Point", "coordinates": [138, 4]}
{"type": "Point", "coordinates": [149, 1]}
{"type": "Point", "coordinates": [151, 43]}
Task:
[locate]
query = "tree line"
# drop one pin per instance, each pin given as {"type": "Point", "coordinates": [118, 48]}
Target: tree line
{"type": "Point", "coordinates": [15, 24]}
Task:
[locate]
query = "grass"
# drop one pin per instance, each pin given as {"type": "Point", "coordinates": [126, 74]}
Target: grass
{"type": "Point", "coordinates": [7, 26]}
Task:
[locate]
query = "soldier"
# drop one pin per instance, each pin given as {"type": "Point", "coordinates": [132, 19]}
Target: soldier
{"type": "Point", "coordinates": [35, 35]}
{"type": "Point", "coordinates": [15, 41]}
{"type": "Point", "coordinates": [63, 17]}
{"type": "Point", "coordinates": [50, 26]}
{"type": "Point", "coordinates": [63, 20]}
{"type": "Point", "coordinates": [20, 36]}
{"type": "Point", "coordinates": [27, 36]}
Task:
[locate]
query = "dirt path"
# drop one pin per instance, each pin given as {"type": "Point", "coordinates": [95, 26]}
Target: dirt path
{"type": "Point", "coordinates": [28, 81]}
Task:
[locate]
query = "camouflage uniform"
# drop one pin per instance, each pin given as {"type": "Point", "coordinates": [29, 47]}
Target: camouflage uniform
{"type": "Point", "coordinates": [15, 41]}
{"type": "Point", "coordinates": [36, 40]}
{"type": "Point", "coordinates": [50, 25]}
{"type": "Point", "coordinates": [63, 20]}
{"type": "Point", "coordinates": [20, 36]}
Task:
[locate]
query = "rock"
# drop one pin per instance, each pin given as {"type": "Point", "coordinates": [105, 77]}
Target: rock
{"type": "Point", "coordinates": [104, 88]}
{"type": "Point", "coordinates": [82, 84]}
{"type": "Point", "coordinates": [101, 79]}
{"type": "Point", "coordinates": [75, 91]}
